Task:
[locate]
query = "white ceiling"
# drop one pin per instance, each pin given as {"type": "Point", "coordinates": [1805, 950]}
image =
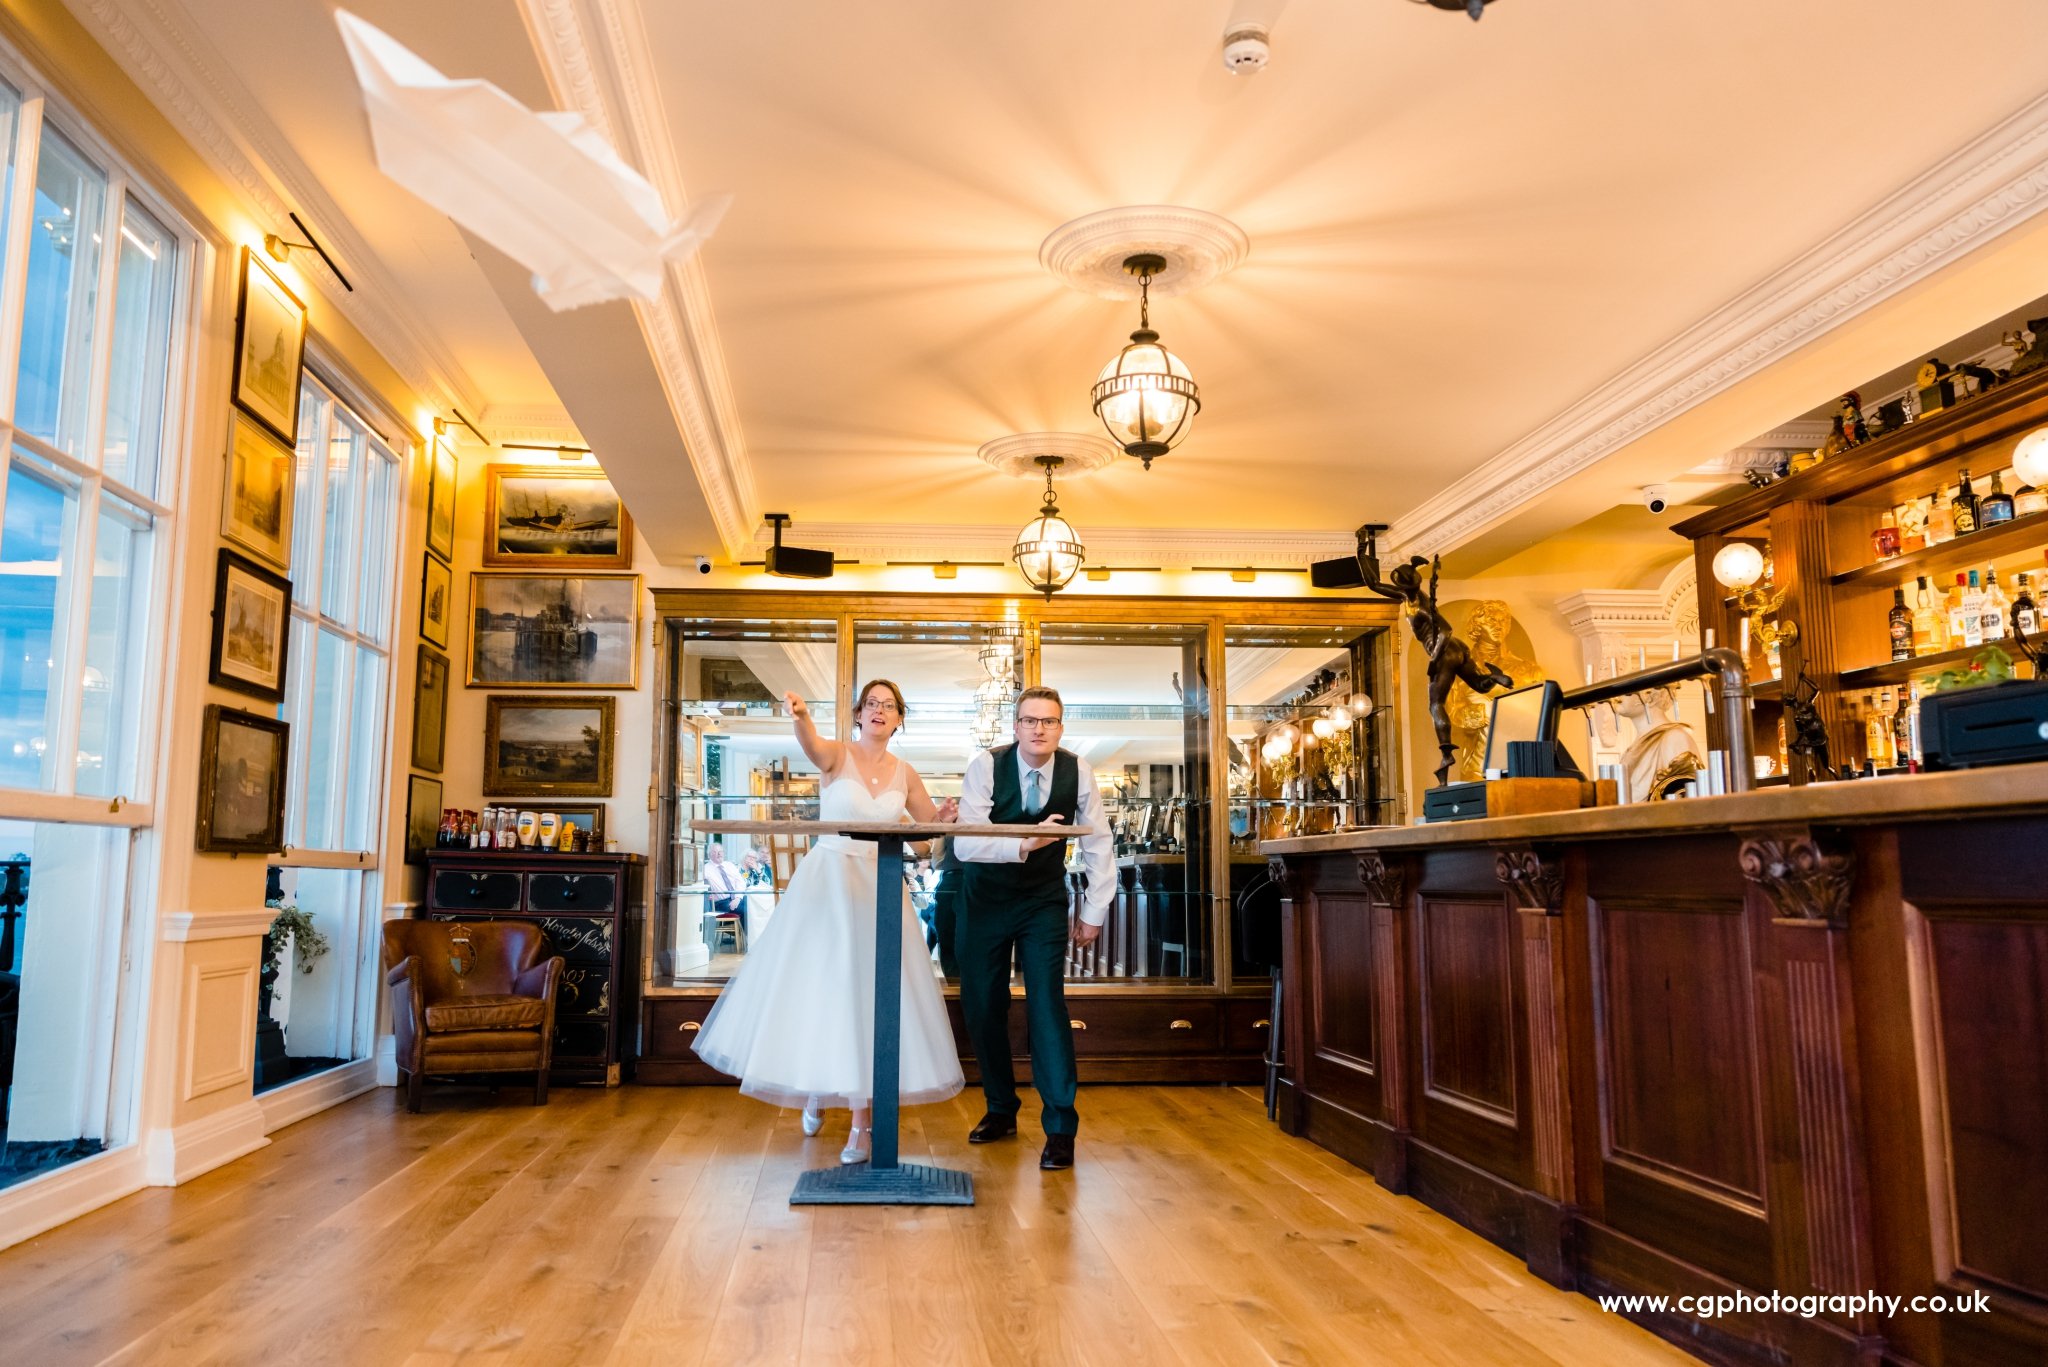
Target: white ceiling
{"type": "Point", "coordinates": [1458, 232]}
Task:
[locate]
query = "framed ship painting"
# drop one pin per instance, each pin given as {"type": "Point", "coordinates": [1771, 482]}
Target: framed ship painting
{"type": "Point", "coordinates": [565, 520]}
{"type": "Point", "coordinates": [554, 630]}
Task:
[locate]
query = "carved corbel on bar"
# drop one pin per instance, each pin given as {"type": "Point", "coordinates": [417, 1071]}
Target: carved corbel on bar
{"type": "Point", "coordinates": [1282, 876]}
{"type": "Point", "coordinates": [1533, 879]}
{"type": "Point", "coordinates": [1805, 880]}
{"type": "Point", "coordinates": [1386, 882]}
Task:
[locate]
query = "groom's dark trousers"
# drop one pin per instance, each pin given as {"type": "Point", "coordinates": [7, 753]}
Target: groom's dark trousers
{"type": "Point", "coordinates": [1021, 908]}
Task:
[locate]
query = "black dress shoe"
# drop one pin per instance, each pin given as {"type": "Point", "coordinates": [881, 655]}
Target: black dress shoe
{"type": "Point", "coordinates": [992, 1127]}
{"type": "Point", "coordinates": [1059, 1152]}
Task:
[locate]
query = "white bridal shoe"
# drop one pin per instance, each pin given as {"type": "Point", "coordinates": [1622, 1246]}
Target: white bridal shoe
{"type": "Point", "coordinates": [814, 1120]}
{"type": "Point", "coordinates": [856, 1150]}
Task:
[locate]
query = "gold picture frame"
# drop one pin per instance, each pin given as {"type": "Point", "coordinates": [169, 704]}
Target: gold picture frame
{"type": "Point", "coordinates": [256, 496]}
{"type": "Point", "coordinates": [430, 711]}
{"type": "Point", "coordinates": [437, 601]}
{"type": "Point", "coordinates": [441, 478]}
{"type": "Point", "coordinates": [553, 630]}
{"type": "Point", "coordinates": [540, 517]}
{"type": "Point", "coordinates": [270, 349]}
{"type": "Point", "coordinates": [548, 746]}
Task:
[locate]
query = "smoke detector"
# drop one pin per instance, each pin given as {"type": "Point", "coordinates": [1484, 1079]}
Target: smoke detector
{"type": "Point", "coordinates": [1246, 49]}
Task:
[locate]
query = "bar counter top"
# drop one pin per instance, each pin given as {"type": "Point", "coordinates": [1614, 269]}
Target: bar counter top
{"type": "Point", "coordinates": [2012, 788]}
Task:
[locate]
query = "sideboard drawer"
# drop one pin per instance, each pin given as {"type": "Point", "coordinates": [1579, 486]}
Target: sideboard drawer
{"type": "Point", "coordinates": [474, 890]}
{"type": "Point", "coordinates": [672, 1025]}
{"type": "Point", "coordinates": [587, 892]}
{"type": "Point", "coordinates": [1163, 1025]}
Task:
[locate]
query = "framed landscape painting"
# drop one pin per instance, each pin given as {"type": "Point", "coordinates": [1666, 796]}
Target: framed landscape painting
{"type": "Point", "coordinates": [422, 816]}
{"type": "Point", "coordinates": [256, 503]}
{"type": "Point", "coordinates": [430, 711]}
{"type": "Point", "coordinates": [554, 630]}
{"type": "Point", "coordinates": [270, 350]}
{"type": "Point", "coordinates": [547, 747]}
{"type": "Point", "coordinates": [437, 601]}
{"type": "Point", "coordinates": [241, 781]}
{"type": "Point", "coordinates": [252, 619]}
{"type": "Point", "coordinates": [565, 519]}
{"type": "Point", "coordinates": [441, 499]}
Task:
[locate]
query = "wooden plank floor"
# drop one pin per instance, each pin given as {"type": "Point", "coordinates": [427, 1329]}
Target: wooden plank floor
{"type": "Point", "coordinates": [652, 1225]}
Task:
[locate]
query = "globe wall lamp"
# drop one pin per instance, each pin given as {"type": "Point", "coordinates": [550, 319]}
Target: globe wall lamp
{"type": "Point", "coordinates": [1741, 568]}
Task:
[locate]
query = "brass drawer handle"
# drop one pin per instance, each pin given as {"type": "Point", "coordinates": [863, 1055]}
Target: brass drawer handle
{"type": "Point", "coordinates": [687, 1026]}
{"type": "Point", "coordinates": [1078, 1025]}
{"type": "Point", "coordinates": [1261, 1023]}
{"type": "Point", "coordinates": [1181, 1025]}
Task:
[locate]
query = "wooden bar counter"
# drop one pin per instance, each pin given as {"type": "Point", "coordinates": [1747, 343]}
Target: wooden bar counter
{"type": "Point", "coordinates": [1793, 1040]}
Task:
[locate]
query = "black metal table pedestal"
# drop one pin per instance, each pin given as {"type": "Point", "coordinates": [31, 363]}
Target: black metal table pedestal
{"type": "Point", "coordinates": [882, 1180]}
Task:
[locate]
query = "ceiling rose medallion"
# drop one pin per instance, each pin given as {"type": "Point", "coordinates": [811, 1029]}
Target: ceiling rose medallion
{"type": "Point", "coordinates": [1195, 245]}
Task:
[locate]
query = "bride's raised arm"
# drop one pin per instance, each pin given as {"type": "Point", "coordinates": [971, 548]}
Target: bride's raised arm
{"type": "Point", "coordinates": [828, 755]}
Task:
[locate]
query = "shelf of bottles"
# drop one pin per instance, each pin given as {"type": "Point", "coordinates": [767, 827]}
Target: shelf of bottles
{"type": "Point", "coordinates": [1299, 769]}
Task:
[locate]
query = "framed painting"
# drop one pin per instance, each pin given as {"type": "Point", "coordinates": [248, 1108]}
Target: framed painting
{"type": "Point", "coordinates": [270, 350]}
{"type": "Point", "coordinates": [437, 601]}
{"type": "Point", "coordinates": [252, 620]}
{"type": "Point", "coordinates": [550, 747]}
{"type": "Point", "coordinates": [256, 503]}
{"type": "Point", "coordinates": [422, 816]}
{"type": "Point", "coordinates": [430, 711]}
{"type": "Point", "coordinates": [553, 630]}
{"type": "Point", "coordinates": [564, 519]}
{"type": "Point", "coordinates": [242, 760]}
{"type": "Point", "coordinates": [441, 499]}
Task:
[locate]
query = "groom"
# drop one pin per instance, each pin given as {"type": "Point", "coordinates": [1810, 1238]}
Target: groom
{"type": "Point", "coordinates": [1015, 901]}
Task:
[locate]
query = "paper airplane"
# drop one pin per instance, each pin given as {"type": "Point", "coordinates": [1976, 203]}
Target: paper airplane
{"type": "Point", "coordinates": [544, 188]}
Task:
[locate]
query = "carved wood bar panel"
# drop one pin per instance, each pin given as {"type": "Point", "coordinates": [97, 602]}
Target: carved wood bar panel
{"type": "Point", "coordinates": [1726, 1047]}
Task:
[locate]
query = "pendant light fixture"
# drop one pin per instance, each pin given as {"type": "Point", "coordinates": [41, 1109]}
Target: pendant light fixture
{"type": "Point", "coordinates": [1048, 550]}
{"type": "Point", "coordinates": [1145, 396]}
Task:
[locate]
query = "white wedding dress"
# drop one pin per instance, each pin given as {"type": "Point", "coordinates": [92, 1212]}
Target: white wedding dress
{"type": "Point", "coordinates": [796, 1025]}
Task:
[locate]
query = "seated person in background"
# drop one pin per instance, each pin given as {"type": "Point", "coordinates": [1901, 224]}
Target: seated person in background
{"type": "Point", "coordinates": [724, 883]}
{"type": "Point", "coordinates": [755, 866]}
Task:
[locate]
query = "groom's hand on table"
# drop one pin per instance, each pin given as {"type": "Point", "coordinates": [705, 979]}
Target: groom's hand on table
{"type": "Point", "coordinates": [1040, 842]}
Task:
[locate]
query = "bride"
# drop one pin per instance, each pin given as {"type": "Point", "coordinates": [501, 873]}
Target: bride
{"type": "Point", "coordinates": [796, 1024]}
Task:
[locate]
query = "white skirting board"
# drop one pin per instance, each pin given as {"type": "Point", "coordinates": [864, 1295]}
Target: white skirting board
{"type": "Point", "coordinates": [181, 1154]}
{"type": "Point", "coordinates": [295, 1101]}
{"type": "Point", "coordinates": [43, 1203]}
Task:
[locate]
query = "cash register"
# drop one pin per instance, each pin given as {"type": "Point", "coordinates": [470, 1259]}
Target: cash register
{"type": "Point", "coordinates": [1521, 743]}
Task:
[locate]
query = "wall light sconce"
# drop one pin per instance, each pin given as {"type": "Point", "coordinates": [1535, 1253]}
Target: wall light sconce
{"type": "Point", "coordinates": [1742, 568]}
{"type": "Point", "coordinates": [281, 250]}
{"type": "Point", "coordinates": [441, 426]}
{"type": "Point", "coordinates": [1098, 574]}
{"type": "Point", "coordinates": [561, 453]}
{"type": "Point", "coordinates": [945, 569]}
{"type": "Point", "coordinates": [1243, 576]}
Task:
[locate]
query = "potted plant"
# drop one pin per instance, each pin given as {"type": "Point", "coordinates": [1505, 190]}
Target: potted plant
{"type": "Point", "coordinates": [296, 927]}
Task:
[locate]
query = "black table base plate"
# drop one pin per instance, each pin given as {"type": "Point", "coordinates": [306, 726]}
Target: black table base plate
{"type": "Point", "coordinates": [861, 1184]}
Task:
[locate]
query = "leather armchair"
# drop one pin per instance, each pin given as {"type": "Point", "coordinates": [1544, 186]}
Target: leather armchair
{"type": "Point", "coordinates": [471, 997]}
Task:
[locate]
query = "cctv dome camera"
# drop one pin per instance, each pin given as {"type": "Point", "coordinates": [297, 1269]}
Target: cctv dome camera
{"type": "Point", "coordinates": [703, 564]}
{"type": "Point", "coordinates": [1656, 498]}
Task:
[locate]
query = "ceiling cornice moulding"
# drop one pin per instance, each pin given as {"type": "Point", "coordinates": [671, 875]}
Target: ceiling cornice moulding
{"type": "Point", "coordinates": [156, 43]}
{"type": "Point", "coordinates": [1993, 184]}
{"type": "Point", "coordinates": [615, 86]}
{"type": "Point", "coordinates": [1169, 548]}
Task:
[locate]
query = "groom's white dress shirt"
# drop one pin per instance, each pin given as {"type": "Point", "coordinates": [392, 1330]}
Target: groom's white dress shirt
{"type": "Point", "coordinates": [1098, 851]}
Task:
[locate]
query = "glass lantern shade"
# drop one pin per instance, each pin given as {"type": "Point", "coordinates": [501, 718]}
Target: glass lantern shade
{"type": "Point", "coordinates": [1738, 565]}
{"type": "Point", "coordinates": [1047, 551]}
{"type": "Point", "coordinates": [2030, 458]}
{"type": "Point", "coordinates": [1146, 398]}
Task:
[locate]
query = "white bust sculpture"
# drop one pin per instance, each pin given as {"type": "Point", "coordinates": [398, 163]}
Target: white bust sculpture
{"type": "Point", "coordinates": [1663, 753]}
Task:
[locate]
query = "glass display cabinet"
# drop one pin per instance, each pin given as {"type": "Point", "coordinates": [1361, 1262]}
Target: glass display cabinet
{"type": "Point", "coordinates": [1204, 735]}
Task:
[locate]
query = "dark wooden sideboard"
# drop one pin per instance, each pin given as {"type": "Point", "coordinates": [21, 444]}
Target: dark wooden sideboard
{"type": "Point", "coordinates": [1791, 1041]}
{"type": "Point", "coordinates": [591, 907]}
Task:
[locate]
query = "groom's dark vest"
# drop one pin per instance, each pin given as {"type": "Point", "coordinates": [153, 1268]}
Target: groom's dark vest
{"type": "Point", "coordinates": [1042, 876]}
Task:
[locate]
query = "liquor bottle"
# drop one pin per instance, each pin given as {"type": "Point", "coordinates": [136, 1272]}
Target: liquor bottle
{"type": "Point", "coordinates": [1965, 624]}
{"type": "Point", "coordinates": [1941, 519]}
{"type": "Point", "coordinates": [1902, 730]}
{"type": "Point", "coordinates": [1900, 621]}
{"type": "Point", "coordinates": [1912, 520]}
{"type": "Point", "coordinates": [1993, 606]}
{"type": "Point", "coordinates": [1964, 508]}
{"type": "Point", "coordinates": [1885, 540]}
{"type": "Point", "coordinates": [1930, 624]}
{"type": "Point", "coordinates": [1888, 708]}
{"type": "Point", "coordinates": [2027, 500]}
{"type": "Point", "coordinates": [1877, 733]}
{"type": "Point", "coordinates": [1997, 506]}
{"type": "Point", "coordinates": [2025, 615]}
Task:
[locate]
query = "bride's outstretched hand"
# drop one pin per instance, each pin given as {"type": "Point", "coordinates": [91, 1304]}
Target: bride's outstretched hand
{"type": "Point", "coordinates": [798, 708]}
